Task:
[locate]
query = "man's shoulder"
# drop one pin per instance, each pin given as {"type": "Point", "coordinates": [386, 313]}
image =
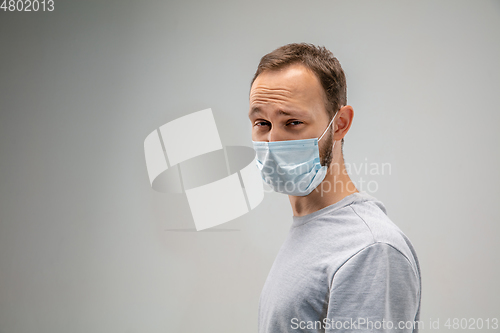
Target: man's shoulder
{"type": "Point", "coordinates": [384, 230]}
{"type": "Point", "coordinates": [341, 231]}
{"type": "Point", "coordinates": [381, 227]}
{"type": "Point", "coordinates": [363, 220]}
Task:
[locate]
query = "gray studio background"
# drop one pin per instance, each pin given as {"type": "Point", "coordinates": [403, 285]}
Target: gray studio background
{"type": "Point", "coordinates": [83, 239]}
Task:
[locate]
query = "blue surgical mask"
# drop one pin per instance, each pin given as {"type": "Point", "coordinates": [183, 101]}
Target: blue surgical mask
{"type": "Point", "coordinates": [291, 167]}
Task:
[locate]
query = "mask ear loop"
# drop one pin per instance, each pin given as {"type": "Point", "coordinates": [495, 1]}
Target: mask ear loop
{"type": "Point", "coordinates": [331, 121]}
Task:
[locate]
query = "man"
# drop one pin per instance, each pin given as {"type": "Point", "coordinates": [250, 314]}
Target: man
{"type": "Point", "coordinates": [344, 266]}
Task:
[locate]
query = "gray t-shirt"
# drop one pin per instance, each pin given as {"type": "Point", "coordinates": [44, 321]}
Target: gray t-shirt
{"type": "Point", "coordinates": [344, 268]}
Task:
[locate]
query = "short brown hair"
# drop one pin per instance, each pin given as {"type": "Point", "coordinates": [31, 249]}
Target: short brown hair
{"type": "Point", "coordinates": [320, 61]}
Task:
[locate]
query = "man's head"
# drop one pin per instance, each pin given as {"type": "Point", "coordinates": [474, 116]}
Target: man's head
{"type": "Point", "coordinates": [295, 92]}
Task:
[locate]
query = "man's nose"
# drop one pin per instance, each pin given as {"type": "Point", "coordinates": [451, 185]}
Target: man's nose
{"type": "Point", "coordinates": [275, 134]}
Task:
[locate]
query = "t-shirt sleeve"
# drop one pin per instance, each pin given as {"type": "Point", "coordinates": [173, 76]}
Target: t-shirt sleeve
{"type": "Point", "coordinates": [376, 290]}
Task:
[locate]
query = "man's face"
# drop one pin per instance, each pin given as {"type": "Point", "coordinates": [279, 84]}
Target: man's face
{"type": "Point", "coordinates": [289, 105]}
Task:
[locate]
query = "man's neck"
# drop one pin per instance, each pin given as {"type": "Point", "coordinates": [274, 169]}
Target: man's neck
{"type": "Point", "coordinates": [336, 186]}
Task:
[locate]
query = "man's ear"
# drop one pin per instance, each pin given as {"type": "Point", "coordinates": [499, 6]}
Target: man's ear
{"type": "Point", "coordinates": [343, 122]}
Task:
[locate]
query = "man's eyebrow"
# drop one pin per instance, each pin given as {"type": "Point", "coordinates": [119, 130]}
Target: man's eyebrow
{"type": "Point", "coordinates": [256, 109]}
{"type": "Point", "coordinates": [291, 113]}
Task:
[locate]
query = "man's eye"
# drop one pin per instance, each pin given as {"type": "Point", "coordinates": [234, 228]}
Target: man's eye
{"type": "Point", "coordinates": [261, 123]}
{"type": "Point", "coordinates": [295, 123]}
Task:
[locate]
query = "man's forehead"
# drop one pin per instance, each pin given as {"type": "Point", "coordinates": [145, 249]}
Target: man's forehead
{"type": "Point", "coordinates": [294, 84]}
{"type": "Point", "coordinates": [294, 77]}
